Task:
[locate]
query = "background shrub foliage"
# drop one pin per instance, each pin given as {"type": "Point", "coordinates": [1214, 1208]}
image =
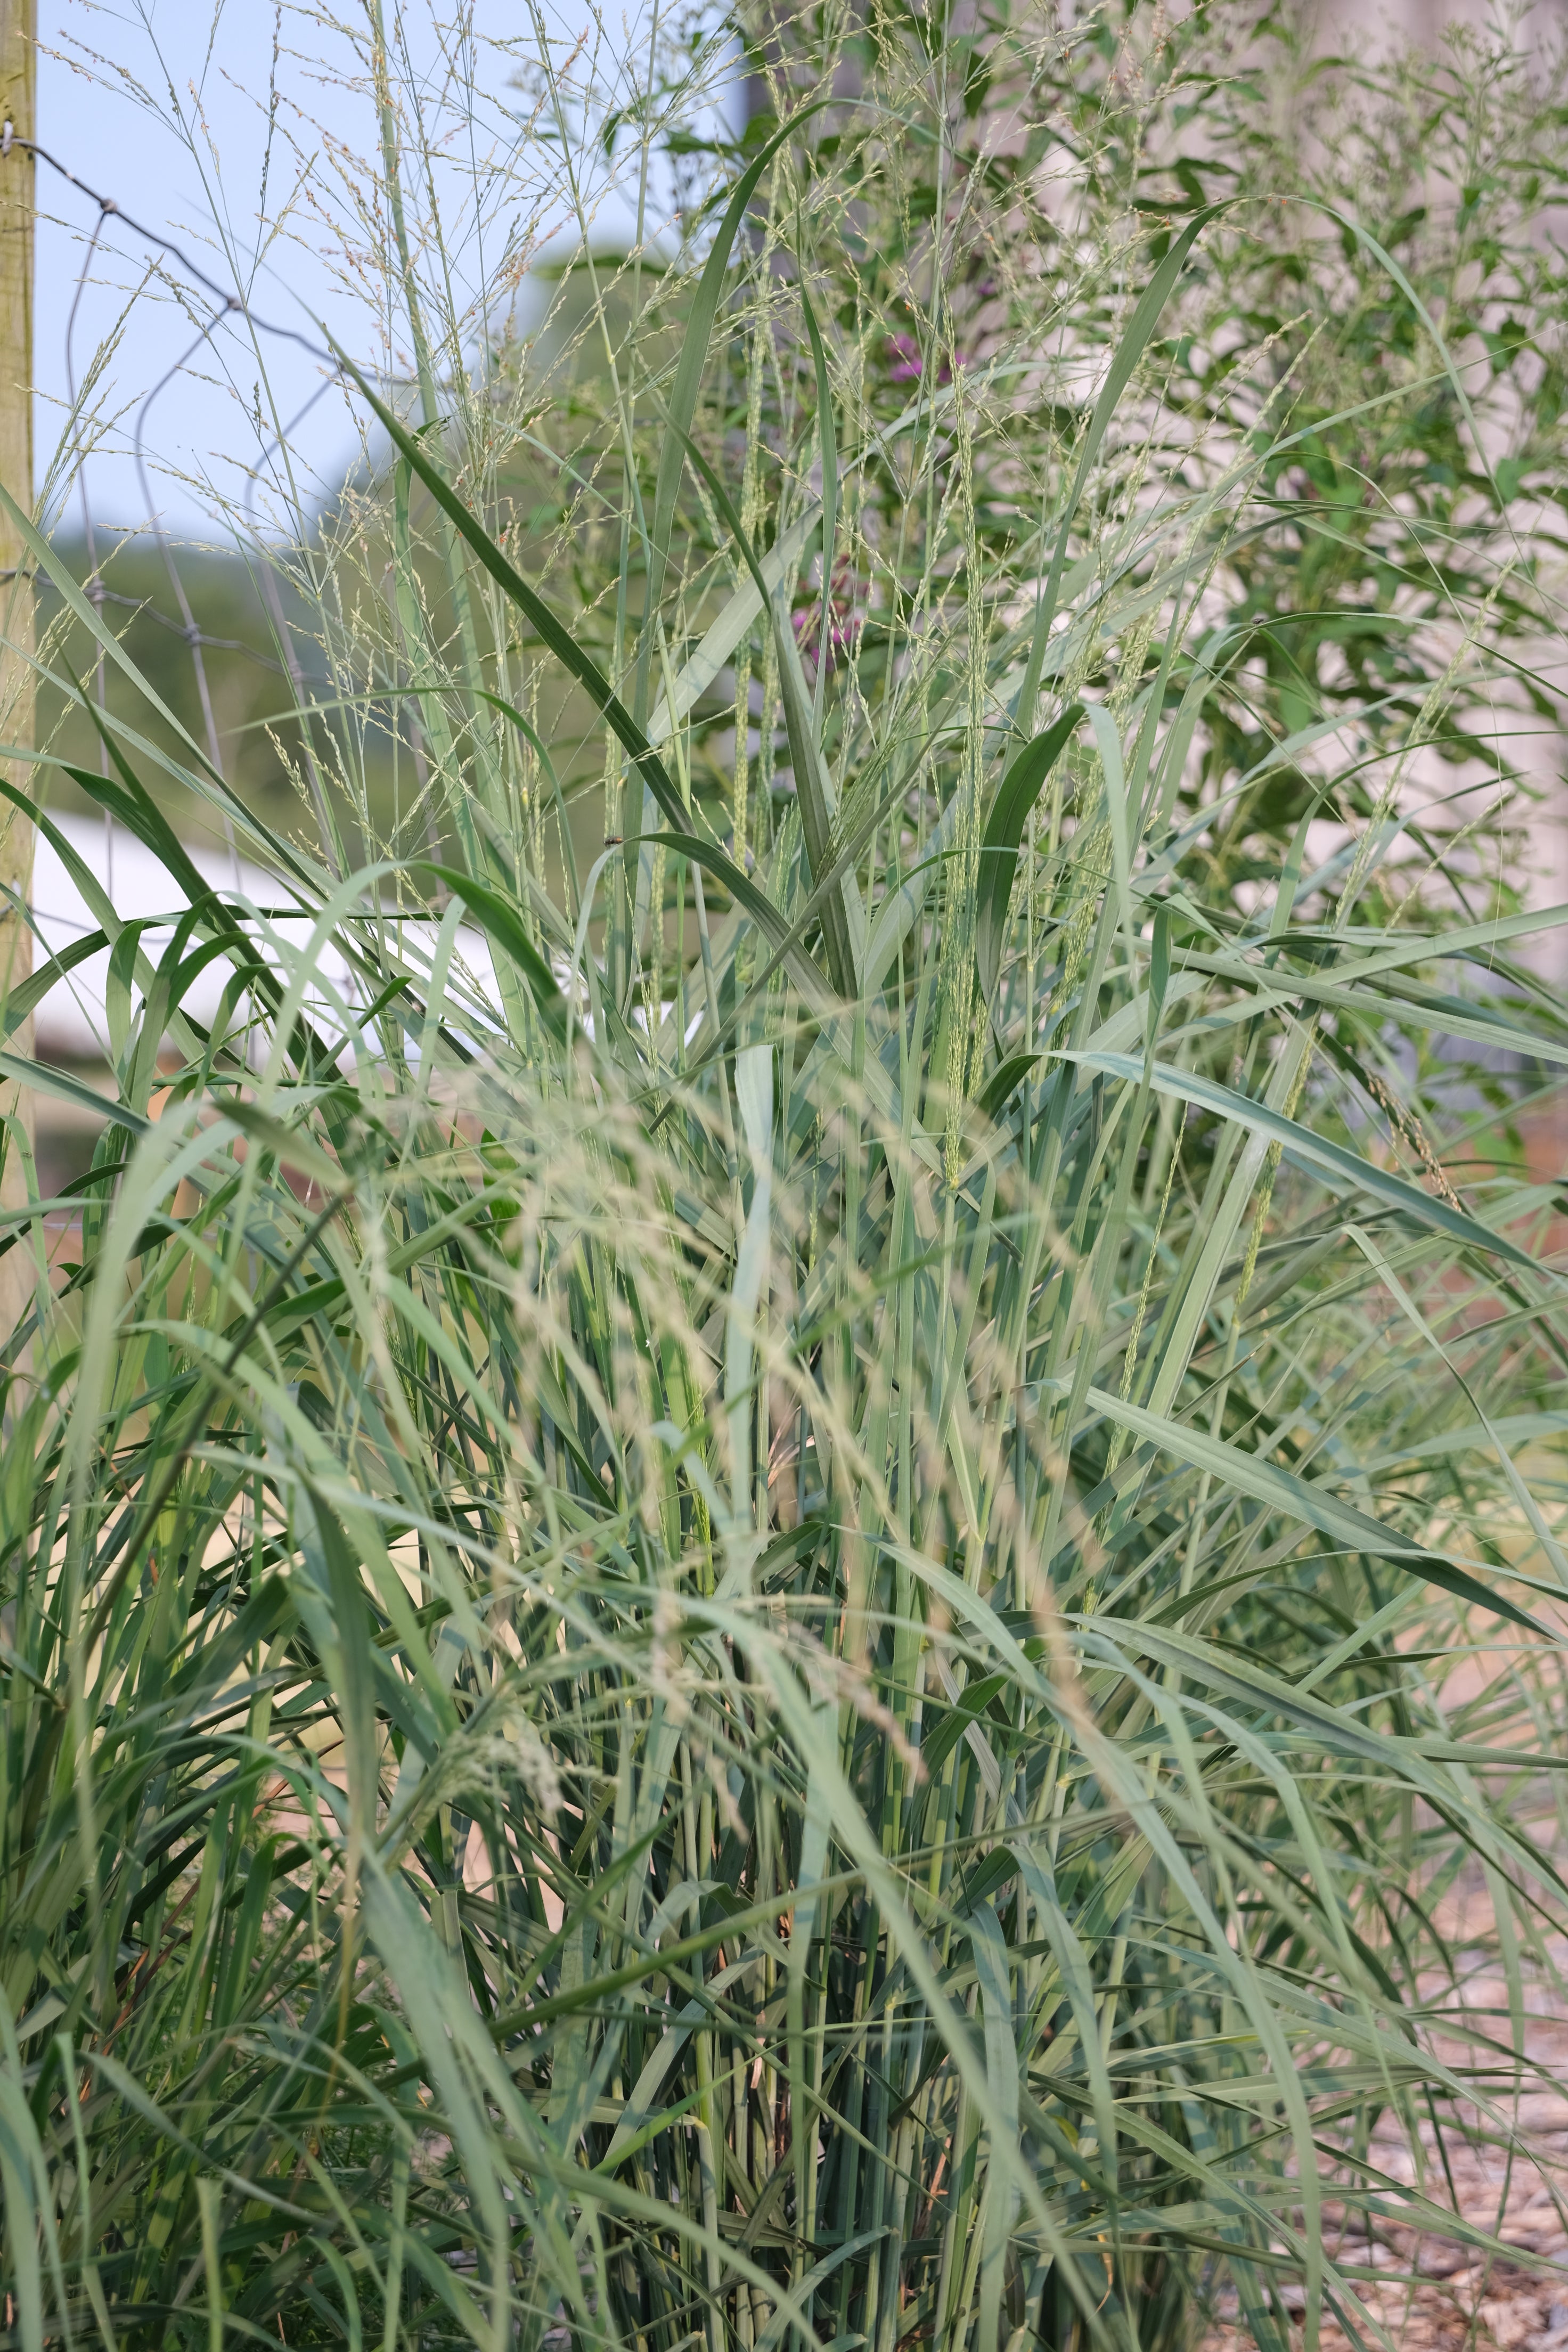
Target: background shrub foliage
{"type": "Point", "coordinates": [731, 1571]}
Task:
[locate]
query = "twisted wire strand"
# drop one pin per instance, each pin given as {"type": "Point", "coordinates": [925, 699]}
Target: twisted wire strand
{"type": "Point", "coordinates": [10, 138]}
{"type": "Point", "coordinates": [190, 632]}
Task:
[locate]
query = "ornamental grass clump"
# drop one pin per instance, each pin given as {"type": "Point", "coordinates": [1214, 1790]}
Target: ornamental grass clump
{"type": "Point", "coordinates": [779, 1527]}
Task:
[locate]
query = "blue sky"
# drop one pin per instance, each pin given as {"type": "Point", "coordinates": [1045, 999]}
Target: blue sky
{"type": "Point", "coordinates": [110, 78]}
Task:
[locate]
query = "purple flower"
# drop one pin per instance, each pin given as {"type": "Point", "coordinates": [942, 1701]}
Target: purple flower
{"type": "Point", "coordinates": [905, 354]}
{"type": "Point", "coordinates": [908, 366]}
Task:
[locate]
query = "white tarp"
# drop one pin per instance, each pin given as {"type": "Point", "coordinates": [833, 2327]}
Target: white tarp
{"type": "Point", "coordinates": [71, 1024]}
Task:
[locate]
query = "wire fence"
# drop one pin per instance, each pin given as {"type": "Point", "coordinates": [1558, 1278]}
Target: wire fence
{"type": "Point", "coordinates": [229, 305]}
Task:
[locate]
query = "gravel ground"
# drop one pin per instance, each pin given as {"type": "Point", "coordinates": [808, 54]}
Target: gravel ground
{"type": "Point", "coordinates": [1431, 2293]}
